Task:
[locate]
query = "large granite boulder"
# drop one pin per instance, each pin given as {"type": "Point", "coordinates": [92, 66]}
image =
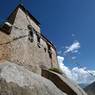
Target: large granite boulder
{"type": "Point", "coordinates": [63, 83]}
{"type": "Point", "coordinates": [16, 80]}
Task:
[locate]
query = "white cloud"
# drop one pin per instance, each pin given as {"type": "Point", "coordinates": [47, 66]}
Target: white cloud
{"type": "Point", "coordinates": [73, 35]}
{"type": "Point", "coordinates": [80, 75]}
{"type": "Point", "coordinates": [63, 67]}
{"type": "Point", "coordinates": [60, 52]}
{"type": "Point", "coordinates": [73, 48]}
{"type": "Point", "coordinates": [73, 57]}
{"type": "Point", "coordinates": [75, 51]}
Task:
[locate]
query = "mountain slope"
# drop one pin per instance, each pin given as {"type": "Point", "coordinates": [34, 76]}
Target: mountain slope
{"type": "Point", "coordinates": [83, 85]}
{"type": "Point", "coordinates": [90, 89]}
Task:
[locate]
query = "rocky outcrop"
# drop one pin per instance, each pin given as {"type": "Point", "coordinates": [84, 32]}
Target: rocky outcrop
{"type": "Point", "coordinates": [63, 83]}
{"type": "Point", "coordinates": [90, 89]}
{"type": "Point", "coordinates": [16, 80]}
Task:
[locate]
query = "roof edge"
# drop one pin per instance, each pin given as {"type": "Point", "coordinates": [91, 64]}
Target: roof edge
{"type": "Point", "coordinates": [30, 15]}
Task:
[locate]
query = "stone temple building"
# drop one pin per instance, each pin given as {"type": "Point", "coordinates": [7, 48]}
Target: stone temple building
{"type": "Point", "coordinates": [22, 42]}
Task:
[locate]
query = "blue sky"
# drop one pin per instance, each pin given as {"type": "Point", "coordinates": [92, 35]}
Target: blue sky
{"type": "Point", "coordinates": [63, 22]}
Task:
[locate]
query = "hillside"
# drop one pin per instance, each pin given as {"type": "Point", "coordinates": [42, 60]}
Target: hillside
{"type": "Point", "coordinates": [83, 85]}
{"type": "Point", "coordinates": [90, 89]}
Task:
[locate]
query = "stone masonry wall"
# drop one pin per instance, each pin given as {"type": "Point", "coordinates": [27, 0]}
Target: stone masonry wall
{"type": "Point", "coordinates": [4, 48]}
{"type": "Point", "coordinates": [21, 50]}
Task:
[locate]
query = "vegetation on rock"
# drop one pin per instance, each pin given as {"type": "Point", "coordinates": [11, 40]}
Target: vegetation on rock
{"type": "Point", "coordinates": [57, 70]}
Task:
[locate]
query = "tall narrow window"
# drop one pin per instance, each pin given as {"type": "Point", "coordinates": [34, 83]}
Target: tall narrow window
{"type": "Point", "coordinates": [45, 49]}
{"type": "Point", "coordinates": [49, 51]}
{"type": "Point", "coordinates": [50, 54]}
{"type": "Point", "coordinates": [31, 33]}
{"type": "Point", "coordinates": [38, 40]}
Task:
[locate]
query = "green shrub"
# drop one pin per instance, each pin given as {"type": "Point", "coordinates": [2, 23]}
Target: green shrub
{"type": "Point", "coordinates": [57, 70]}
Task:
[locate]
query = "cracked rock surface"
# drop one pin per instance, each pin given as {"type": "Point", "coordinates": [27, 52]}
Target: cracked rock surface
{"type": "Point", "coordinates": [16, 80]}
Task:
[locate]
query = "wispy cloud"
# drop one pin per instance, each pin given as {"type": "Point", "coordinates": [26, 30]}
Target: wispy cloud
{"type": "Point", "coordinates": [80, 75]}
{"type": "Point", "coordinates": [73, 35]}
{"type": "Point", "coordinates": [74, 57]}
{"type": "Point", "coordinates": [72, 48]}
{"type": "Point", "coordinates": [64, 68]}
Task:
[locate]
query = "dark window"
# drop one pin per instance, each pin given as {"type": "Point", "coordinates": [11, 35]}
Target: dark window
{"type": "Point", "coordinates": [31, 33]}
{"type": "Point", "coordinates": [38, 40]}
{"type": "Point", "coordinates": [31, 36]}
{"type": "Point", "coordinates": [6, 27]}
{"type": "Point", "coordinates": [39, 45]}
{"type": "Point", "coordinates": [30, 27]}
{"type": "Point", "coordinates": [49, 51]}
{"type": "Point", "coordinates": [45, 49]}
